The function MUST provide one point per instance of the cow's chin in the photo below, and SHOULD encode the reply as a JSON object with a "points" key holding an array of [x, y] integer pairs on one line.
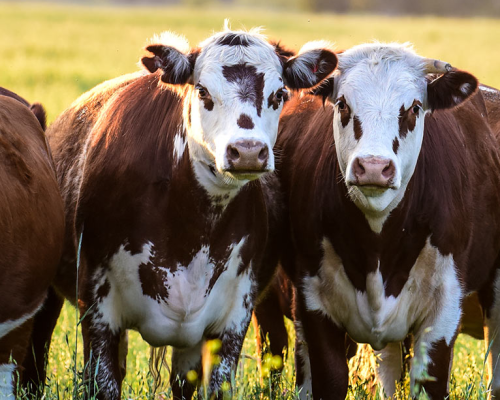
{"points": [[244, 176], [372, 200]]}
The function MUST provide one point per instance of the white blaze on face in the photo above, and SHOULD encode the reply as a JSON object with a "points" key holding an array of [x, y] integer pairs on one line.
{"points": [[234, 98], [379, 94]]}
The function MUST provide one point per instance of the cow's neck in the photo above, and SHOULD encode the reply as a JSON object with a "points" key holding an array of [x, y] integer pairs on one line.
{"points": [[219, 190], [376, 220]]}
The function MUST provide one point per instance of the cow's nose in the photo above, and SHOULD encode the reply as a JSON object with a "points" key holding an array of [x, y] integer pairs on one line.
{"points": [[374, 171], [247, 155]]}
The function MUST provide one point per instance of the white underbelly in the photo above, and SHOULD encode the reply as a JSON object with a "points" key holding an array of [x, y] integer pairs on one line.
{"points": [[188, 309], [372, 317]]}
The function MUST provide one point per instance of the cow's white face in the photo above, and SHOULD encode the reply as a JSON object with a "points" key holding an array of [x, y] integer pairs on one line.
{"points": [[237, 99], [238, 86], [381, 95]]}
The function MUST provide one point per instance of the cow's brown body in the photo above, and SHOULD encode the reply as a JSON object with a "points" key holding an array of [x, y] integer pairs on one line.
{"points": [[32, 221], [453, 199], [159, 175]]}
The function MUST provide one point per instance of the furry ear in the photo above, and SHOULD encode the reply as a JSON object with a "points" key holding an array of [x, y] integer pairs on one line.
{"points": [[314, 63], [450, 89], [177, 66], [324, 89]]}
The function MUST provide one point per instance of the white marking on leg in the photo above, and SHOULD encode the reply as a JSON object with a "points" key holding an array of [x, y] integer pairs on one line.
{"points": [[390, 368], [6, 381], [492, 339]]}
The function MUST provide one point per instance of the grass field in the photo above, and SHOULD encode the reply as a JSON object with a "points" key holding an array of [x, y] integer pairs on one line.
{"points": [[54, 53]]}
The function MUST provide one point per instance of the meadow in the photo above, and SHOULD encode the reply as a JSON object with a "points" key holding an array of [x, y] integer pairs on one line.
{"points": [[54, 53]]}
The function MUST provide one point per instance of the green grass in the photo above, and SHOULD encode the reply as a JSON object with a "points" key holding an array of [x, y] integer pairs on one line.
{"points": [[54, 53]]}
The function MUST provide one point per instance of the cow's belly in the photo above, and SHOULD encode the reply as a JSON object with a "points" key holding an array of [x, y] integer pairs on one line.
{"points": [[172, 308], [430, 297]]}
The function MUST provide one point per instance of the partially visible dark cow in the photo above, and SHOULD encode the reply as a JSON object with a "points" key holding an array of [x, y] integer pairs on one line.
{"points": [[32, 229], [393, 222], [160, 175], [36, 108]]}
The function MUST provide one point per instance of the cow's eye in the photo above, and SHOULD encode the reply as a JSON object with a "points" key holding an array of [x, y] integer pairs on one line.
{"points": [[341, 105], [281, 94], [202, 92], [415, 110]]}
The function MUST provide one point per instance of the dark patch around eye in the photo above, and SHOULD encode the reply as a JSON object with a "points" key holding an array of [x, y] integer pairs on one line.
{"points": [[395, 145], [250, 83], [245, 122], [407, 119], [272, 101], [358, 131], [345, 114], [208, 103]]}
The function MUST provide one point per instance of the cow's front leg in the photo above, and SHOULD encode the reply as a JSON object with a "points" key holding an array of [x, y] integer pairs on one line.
{"points": [[105, 350], [390, 367], [231, 343], [326, 348], [433, 356], [184, 361]]}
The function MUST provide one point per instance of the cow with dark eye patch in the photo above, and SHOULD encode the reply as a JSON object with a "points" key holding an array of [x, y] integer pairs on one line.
{"points": [[161, 176], [32, 221], [394, 214]]}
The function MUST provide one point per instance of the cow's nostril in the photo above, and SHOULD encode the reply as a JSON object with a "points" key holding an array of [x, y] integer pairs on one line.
{"points": [[233, 153], [264, 154], [389, 171]]}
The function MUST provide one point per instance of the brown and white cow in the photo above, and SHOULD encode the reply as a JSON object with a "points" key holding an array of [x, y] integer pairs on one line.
{"points": [[160, 176], [395, 221], [32, 221]]}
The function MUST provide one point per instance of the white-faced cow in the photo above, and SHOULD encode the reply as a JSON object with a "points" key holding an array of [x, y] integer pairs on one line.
{"points": [[155, 170], [32, 221], [393, 191]]}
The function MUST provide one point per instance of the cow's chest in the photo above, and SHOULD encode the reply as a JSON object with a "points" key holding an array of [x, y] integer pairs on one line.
{"points": [[174, 304], [431, 291]]}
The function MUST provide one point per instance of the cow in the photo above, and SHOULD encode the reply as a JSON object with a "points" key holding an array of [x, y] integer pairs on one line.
{"points": [[392, 191], [170, 206], [32, 220]]}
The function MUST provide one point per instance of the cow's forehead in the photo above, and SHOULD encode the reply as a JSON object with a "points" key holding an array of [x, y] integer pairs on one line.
{"points": [[380, 78], [236, 48]]}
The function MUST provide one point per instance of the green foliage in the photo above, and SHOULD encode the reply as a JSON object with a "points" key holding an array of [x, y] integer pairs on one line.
{"points": [[54, 53]]}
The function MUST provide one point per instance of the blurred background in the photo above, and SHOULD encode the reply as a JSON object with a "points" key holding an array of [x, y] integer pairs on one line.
{"points": [[456, 8]]}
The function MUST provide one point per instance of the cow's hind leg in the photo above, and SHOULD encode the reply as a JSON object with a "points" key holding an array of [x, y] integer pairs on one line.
{"points": [[36, 358]]}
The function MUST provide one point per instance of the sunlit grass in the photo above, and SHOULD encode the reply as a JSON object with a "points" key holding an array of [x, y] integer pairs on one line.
{"points": [[468, 379], [54, 53]]}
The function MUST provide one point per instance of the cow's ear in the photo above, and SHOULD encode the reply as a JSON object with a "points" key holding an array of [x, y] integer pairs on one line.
{"points": [[175, 65], [314, 63], [324, 89], [450, 89]]}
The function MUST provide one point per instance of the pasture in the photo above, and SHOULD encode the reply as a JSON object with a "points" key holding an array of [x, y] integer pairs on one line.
{"points": [[54, 53]]}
